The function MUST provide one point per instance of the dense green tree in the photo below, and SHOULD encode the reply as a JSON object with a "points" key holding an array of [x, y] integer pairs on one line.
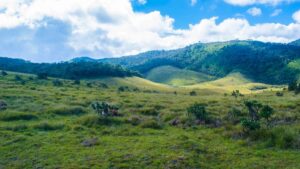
{"points": [[253, 109], [266, 112]]}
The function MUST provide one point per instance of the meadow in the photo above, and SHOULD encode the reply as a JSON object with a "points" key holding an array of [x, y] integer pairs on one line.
{"points": [[48, 123]]}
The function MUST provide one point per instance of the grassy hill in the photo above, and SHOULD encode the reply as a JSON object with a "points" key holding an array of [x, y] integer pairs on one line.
{"points": [[176, 77], [236, 81], [54, 126], [263, 62]]}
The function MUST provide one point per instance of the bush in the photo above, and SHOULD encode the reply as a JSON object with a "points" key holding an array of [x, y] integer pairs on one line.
{"points": [[198, 110], [279, 94], [43, 76], [151, 123], [250, 125], [266, 112], [20, 127], [57, 83], [65, 111], [17, 116], [18, 78], [3, 73], [45, 126], [76, 82], [193, 93], [3, 105], [234, 115]]}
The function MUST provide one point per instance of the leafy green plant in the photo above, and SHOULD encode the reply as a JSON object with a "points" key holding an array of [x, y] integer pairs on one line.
{"points": [[198, 111]]}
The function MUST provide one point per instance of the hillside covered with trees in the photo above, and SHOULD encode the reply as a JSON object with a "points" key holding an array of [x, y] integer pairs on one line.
{"points": [[262, 62], [68, 70]]}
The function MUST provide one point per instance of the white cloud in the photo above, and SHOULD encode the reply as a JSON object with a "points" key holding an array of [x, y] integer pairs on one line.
{"points": [[104, 28], [254, 11], [252, 2], [193, 2], [276, 12], [296, 16], [143, 2]]}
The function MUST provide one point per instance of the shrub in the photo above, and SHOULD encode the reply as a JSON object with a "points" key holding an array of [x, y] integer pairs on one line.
{"points": [[42, 76], [105, 109], [76, 82], [123, 88], [18, 78], [17, 116], [3, 105], [250, 125], [3, 73], [266, 112], [45, 126], [151, 123], [57, 83], [279, 94], [234, 115], [193, 93], [198, 110], [292, 85], [253, 109], [73, 110]]}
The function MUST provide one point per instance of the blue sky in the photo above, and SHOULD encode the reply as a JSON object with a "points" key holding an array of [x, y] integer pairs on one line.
{"points": [[59, 30], [184, 13]]}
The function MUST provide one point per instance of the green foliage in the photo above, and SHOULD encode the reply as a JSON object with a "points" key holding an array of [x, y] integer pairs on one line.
{"points": [[193, 93], [250, 125], [3, 73], [198, 111], [105, 109], [57, 83], [68, 70], [293, 86], [3, 105], [42, 76], [266, 112], [262, 62], [253, 109]]}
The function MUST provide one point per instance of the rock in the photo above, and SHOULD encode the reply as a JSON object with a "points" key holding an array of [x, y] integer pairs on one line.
{"points": [[90, 142]]}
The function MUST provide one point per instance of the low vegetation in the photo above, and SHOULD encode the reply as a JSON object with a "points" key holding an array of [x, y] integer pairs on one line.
{"points": [[146, 125]]}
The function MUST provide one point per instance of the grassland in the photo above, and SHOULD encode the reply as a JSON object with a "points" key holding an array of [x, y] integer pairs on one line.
{"points": [[176, 77], [46, 126]]}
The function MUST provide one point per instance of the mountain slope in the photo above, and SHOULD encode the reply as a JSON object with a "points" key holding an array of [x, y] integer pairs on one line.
{"points": [[176, 77], [75, 70], [261, 62]]}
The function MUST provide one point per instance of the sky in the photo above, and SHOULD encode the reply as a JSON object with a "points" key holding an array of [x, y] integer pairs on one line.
{"points": [[59, 30]]}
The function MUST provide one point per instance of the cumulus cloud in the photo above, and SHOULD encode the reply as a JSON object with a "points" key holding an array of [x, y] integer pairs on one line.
{"points": [[143, 2], [276, 12], [252, 2], [254, 11], [296, 16], [53, 30], [193, 2]]}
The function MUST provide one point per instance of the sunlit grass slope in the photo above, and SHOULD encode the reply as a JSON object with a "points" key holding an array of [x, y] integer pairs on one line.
{"points": [[176, 77], [235, 81]]}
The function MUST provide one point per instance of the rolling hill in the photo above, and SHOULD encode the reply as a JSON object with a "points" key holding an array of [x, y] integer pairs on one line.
{"points": [[176, 77], [261, 62]]}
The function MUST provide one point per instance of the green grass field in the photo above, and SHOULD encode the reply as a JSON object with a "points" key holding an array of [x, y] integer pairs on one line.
{"points": [[176, 77], [47, 126]]}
